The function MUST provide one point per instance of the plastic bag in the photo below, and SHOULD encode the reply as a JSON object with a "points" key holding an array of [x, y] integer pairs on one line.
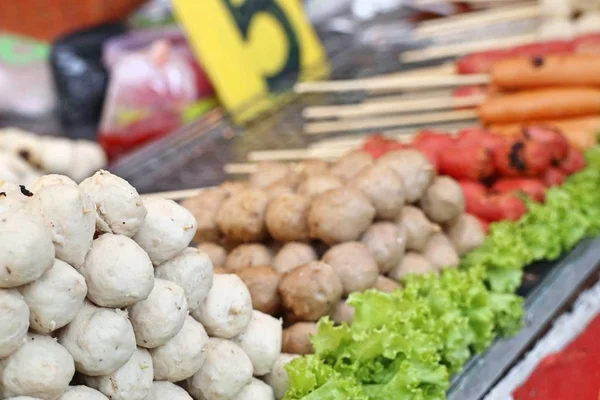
{"points": [[152, 92]]}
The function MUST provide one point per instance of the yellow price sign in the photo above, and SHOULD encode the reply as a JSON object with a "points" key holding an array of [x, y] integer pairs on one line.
{"points": [[253, 50]]}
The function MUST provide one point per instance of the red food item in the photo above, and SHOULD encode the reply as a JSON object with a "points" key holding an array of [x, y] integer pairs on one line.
{"points": [[120, 141], [521, 157], [554, 177], [376, 145], [531, 187], [478, 135], [510, 205], [587, 44], [432, 140], [482, 62], [466, 91], [573, 373], [557, 144], [468, 161], [575, 161], [484, 224]]}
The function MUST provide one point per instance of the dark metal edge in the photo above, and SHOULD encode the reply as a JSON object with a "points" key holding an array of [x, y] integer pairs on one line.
{"points": [[541, 306]]}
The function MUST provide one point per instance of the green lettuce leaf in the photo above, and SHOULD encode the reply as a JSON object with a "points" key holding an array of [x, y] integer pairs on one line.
{"points": [[311, 379]]}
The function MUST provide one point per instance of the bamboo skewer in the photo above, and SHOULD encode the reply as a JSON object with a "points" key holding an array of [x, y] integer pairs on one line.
{"points": [[387, 84], [295, 154], [392, 107], [459, 49], [434, 27], [317, 128], [175, 195]]}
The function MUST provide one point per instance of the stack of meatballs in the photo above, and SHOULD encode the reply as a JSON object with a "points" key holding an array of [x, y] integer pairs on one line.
{"points": [[101, 297], [304, 236]]}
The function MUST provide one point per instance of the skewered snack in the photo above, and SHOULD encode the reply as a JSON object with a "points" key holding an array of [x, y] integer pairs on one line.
{"points": [[292, 255], [263, 284], [354, 265], [296, 338], [286, 217], [242, 216]]}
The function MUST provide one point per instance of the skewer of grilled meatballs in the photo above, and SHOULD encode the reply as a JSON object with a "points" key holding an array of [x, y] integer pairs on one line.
{"points": [[304, 236]]}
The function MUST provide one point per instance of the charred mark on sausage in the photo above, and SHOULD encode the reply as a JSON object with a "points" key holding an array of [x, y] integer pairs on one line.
{"points": [[25, 191], [516, 156], [537, 61]]}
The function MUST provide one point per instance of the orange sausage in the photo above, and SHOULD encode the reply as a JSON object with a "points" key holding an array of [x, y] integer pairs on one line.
{"points": [[581, 132], [542, 104], [536, 72]]}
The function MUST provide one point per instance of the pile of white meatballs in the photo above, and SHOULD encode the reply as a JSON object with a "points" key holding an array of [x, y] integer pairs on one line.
{"points": [[101, 298], [25, 156]]}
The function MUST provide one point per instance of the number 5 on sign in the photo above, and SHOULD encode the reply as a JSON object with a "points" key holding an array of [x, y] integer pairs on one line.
{"points": [[252, 49]]}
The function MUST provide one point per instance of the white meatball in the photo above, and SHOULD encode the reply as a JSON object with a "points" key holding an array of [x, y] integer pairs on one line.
{"points": [[161, 316], [225, 372], [118, 272], [57, 155], [167, 230], [12, 197], [278, 378], [50, 180], [119, 207], [14, 169], [101, 340], [26, 249], [82, 393], [26, 398], [162, 390], [89, 158], [133, 381], [70, 217], [40, 368], [181, 357], [193, 271], [55, 298], [261, 341], [26, 145], [256, 390], [227, 309], [14, 321]]}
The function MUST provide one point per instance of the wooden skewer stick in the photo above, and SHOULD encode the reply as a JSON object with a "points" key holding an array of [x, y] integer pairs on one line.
{"points": [[393, 107], [295, 154], [461, 22], [175, 195], [317, 128], [473, 2], [458, 49], [408, 96], [387, 84]]}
